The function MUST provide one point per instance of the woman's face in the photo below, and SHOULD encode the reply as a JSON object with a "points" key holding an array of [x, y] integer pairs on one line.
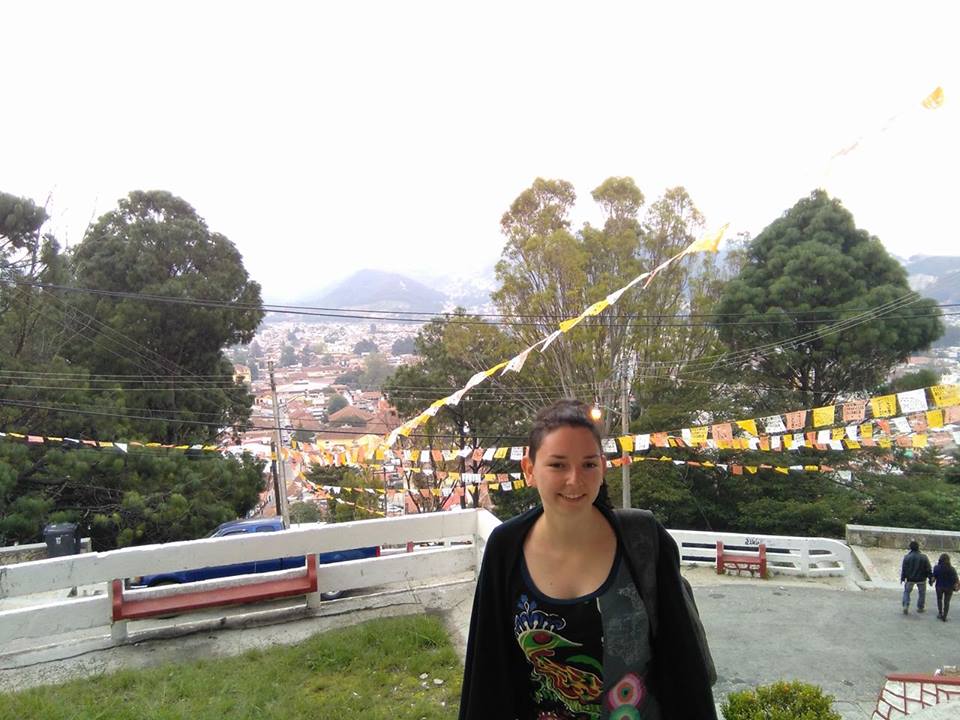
{"points": [[568, 471]]}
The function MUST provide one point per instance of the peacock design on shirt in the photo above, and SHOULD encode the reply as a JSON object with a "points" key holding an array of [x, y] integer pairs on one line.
{"points": [[538, 634]]}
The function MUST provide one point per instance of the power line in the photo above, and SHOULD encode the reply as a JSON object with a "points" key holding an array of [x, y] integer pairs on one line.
{"points": [[242, 427], [515, 320]]}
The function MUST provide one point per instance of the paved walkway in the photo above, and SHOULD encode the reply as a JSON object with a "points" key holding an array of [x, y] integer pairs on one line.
{"points": [[842, 640]]}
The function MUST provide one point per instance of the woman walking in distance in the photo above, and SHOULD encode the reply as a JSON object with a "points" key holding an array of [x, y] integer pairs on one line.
{"points": [[580, 612], [946, 578]]}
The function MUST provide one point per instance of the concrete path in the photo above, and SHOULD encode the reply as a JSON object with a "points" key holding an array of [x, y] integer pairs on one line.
{"points": [[844, 641]]}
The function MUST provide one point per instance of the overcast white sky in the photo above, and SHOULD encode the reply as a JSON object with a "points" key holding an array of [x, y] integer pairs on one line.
{"points": [[326, 137]]}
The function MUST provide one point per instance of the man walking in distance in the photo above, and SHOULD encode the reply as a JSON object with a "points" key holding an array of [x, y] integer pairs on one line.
{"points": [[915, 570]]}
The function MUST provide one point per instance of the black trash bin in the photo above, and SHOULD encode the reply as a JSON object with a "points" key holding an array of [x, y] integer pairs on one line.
{"points": [[62, 539]]}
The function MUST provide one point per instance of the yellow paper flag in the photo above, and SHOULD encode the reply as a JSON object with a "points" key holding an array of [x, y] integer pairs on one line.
{"points": [[944, 395], [934, 99], [708, 243], [824, 415], [597, 308], [567, 325], [749, 425], [884, 406]]}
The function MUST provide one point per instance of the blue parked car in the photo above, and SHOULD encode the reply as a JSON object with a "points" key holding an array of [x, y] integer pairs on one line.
{"points": [[242, 527]]}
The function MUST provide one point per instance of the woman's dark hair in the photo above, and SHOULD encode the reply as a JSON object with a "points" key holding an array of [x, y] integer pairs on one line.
{"points": [[944, 560], [567, 413]]}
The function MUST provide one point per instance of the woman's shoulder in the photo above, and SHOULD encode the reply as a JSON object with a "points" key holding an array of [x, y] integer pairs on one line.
{"points": [[515, 527]]}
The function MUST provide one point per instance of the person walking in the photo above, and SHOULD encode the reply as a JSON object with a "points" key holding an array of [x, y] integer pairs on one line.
{"points": [[946, 580], [915, 570]]}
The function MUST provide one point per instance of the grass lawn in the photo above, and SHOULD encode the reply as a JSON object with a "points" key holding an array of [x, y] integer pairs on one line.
{"points": [[370, 671]]}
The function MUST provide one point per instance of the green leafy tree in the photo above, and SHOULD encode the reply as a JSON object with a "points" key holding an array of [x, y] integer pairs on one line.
{"points": [[911, 381], [66, 372], [453, 349], [403, 346], [304, 512], [350, 503], [302, 435], [335, 403], [804, 275], [122, 499], [376, 370], [548, 272], [288, 356], [351, 378], [155, 244], [365, 346]]}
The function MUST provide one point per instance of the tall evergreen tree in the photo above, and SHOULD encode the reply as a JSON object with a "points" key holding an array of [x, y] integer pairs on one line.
{"points": [[820, 309]]}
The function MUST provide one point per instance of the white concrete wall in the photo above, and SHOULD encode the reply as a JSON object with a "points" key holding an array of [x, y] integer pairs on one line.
{"points": [[59, 614], [62, 614], [807, 557]]}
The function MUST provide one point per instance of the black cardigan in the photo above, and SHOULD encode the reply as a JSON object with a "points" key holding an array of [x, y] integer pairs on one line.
{"points": [[682, 671]]}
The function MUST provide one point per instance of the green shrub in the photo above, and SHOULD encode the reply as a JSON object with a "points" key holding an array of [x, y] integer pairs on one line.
{"points": [[780, 701]]}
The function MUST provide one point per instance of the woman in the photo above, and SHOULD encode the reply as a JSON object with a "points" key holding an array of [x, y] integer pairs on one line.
{"points": [[946, 578], [580, 613]]}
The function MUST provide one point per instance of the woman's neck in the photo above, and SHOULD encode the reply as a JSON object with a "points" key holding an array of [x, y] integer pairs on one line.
{"points": [[568, 533]]}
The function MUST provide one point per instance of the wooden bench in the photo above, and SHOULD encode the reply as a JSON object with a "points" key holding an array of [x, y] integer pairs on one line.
{"points": [[128, 608], [738, 561]]}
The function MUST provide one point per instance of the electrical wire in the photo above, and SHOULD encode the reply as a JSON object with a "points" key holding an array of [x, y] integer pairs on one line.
{"points": [[414, 316]]}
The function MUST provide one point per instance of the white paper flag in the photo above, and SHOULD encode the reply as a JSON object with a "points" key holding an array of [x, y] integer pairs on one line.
{"points": [[901, 424], [823, 437], [912, 401], [853, 431], [835, 445], [773, 424], [642, 442], [549, 340], [516, 453]]}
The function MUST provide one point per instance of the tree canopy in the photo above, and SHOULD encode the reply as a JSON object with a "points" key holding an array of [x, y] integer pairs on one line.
{"points": [[549, 272], [155, 244], [820, 309], [120, 367]]}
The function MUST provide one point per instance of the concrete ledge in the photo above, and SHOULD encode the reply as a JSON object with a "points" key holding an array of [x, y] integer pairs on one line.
{"points": [[12, 554], [870, 572], [899, 538]]}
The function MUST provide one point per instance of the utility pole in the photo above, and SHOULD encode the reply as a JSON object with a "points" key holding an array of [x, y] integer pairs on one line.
{"points": [[625, 430], [273, 474], [282, 506]]}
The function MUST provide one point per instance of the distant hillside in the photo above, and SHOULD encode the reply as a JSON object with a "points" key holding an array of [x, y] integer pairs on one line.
{"points": [[937, 265], [935, 276], [378, 290]]}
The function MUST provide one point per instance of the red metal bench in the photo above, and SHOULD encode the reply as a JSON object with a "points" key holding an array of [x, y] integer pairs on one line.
{"points": [[128, 608], [738, 561]]}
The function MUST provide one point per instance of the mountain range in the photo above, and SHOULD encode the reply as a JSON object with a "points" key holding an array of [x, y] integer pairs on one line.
{"points": [[936, 277]]}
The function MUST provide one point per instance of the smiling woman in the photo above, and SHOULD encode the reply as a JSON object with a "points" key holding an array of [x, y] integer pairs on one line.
{"points": [[580, 612]]}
